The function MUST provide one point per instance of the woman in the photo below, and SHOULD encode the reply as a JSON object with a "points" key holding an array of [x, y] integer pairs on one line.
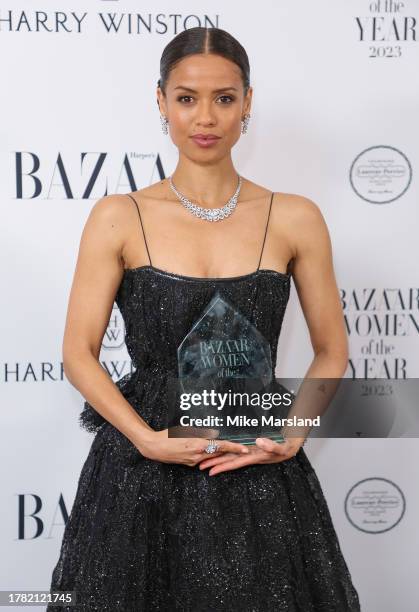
{"points": [[157, 523]]}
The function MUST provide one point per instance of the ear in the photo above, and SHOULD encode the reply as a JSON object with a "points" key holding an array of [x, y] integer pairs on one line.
{"points": [[248, 100], [161, 102]]}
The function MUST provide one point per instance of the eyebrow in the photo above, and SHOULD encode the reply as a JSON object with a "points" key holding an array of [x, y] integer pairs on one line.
{"points": [[214, 90]]}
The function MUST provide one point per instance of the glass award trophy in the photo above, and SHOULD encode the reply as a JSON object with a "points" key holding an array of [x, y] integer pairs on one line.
{"points": [[225, 363]]}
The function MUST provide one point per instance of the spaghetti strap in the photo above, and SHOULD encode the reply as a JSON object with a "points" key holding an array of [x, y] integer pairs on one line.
{"points": [[142, 227], [266, 229]]}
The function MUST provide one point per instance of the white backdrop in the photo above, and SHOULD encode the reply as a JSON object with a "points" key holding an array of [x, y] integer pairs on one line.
{"points": [[334, 118]]}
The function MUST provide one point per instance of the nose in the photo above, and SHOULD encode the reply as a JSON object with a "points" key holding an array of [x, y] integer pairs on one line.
{"points": [[205, 115]]}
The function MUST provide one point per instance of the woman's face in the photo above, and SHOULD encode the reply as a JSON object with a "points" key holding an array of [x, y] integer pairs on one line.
{"points": [[204, 95]]}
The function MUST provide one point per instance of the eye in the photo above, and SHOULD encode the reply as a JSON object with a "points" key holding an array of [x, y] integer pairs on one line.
{"points": [[180, 98], [229, 98]]}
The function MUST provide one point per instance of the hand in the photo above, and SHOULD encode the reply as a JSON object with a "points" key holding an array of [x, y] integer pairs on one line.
{"points": [[187, 451], [265, 451]]}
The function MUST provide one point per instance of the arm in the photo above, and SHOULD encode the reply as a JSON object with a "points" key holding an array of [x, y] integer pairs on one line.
{"points": [[96, 279], [315, 282]]}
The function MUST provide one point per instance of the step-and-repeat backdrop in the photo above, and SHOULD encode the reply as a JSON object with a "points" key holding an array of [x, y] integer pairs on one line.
{"points": [[334, 118]]}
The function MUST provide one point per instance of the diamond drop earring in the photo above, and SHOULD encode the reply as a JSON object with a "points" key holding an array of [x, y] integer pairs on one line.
{"points": [[164, 124], [245, 123]]}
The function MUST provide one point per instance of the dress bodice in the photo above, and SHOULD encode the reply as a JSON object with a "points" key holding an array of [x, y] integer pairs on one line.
{"points": [[159, 308]]}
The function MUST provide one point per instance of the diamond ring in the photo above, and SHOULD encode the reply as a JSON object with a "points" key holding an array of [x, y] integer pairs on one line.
{"points": [[212, 447]]}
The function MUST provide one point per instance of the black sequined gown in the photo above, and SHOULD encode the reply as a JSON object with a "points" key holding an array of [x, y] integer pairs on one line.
{"points": [[146, 536]]}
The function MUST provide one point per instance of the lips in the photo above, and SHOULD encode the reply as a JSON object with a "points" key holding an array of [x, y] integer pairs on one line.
{"points": [[205, 140], [205, 136]]}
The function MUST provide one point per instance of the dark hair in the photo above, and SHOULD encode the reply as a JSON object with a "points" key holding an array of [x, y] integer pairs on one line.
{"points": [[203, 40]]}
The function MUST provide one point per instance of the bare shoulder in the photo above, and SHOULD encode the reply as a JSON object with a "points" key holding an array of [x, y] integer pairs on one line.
{"points": [[293, 204], [109, 223], [113, 219], [296, 208], [299, 216], [110, 208]]}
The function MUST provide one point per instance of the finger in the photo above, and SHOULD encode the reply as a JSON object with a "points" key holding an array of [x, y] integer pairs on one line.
{"points": [[252, 450], [210, 457], [232, 464], [289, 448], [205, 463], [237, 462], [273, 447], [226, 446]]}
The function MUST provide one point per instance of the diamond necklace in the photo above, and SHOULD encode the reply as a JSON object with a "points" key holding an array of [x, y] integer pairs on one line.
{"points": [[210, 214]]}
